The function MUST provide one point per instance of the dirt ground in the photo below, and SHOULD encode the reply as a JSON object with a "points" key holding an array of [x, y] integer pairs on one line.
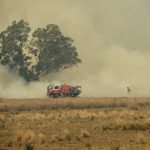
{"points": [[120, 123]]}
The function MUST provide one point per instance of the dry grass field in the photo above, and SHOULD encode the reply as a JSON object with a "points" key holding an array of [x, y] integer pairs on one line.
{"points": [[75, 124]]}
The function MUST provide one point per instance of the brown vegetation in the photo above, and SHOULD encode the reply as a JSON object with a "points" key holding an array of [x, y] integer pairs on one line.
{"points": [[85, 133], [42, 138], [29, 137], [75, 123], [66, 135], [19, 136]]}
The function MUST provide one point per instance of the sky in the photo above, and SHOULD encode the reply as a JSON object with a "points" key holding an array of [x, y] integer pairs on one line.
{"points": [[112, 38]]}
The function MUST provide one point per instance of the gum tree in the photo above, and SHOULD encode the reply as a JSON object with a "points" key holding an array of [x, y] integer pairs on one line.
{"points": [[52, 51], [49, 50], [13, 43]]}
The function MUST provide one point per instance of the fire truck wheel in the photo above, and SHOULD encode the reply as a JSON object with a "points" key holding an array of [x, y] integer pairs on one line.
{"points": [[52, 96], [74, 95], [69, 95]]}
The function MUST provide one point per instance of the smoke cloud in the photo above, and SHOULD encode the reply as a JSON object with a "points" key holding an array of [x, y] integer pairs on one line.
{"points": [[13, 86], [111, 37]]}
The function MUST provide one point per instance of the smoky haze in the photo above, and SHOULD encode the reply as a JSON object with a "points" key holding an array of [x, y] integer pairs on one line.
{"points": [[112, 38]]}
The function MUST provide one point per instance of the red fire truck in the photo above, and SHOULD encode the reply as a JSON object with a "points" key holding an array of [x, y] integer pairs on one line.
{"points": [[63, 90]]}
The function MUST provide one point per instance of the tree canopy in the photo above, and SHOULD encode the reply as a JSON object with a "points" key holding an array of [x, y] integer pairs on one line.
{"points": [[51, 50]]}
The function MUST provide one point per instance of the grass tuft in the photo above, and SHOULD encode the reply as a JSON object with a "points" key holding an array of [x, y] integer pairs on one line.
{"points": [[12, 119], [78, 139], [140, 138], [67, 135], [28, 146], [42, 138], [87, 144], [141, 104], [85, 134], [29, 137], [56, 137], [9, 144], [2, 124], [123, 104], [105, 127], [19, 136], [135, 126], [115, 147]]}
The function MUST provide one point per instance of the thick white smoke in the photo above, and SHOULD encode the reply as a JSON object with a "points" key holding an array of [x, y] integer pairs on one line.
{"points": [[111, 37], [118, 69], [13, 86]]}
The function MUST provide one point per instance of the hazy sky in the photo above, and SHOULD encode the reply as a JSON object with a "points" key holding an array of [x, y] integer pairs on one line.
{"points": [[112, 38]]}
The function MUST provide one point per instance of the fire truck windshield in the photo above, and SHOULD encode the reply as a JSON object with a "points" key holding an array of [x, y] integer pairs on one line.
{"points": [[49, 88]]}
